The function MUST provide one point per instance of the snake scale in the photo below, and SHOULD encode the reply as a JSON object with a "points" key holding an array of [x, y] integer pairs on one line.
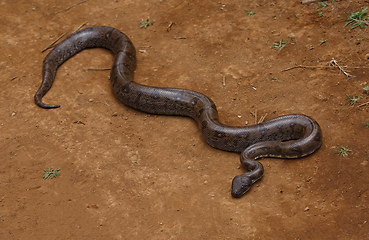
{"points": [[289, 136]]}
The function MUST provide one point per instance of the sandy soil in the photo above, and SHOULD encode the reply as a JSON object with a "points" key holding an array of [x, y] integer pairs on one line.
{"points": [[125, 174]]}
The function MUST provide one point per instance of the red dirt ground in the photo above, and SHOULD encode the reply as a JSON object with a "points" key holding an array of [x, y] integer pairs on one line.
{"points": [[129, 175]]}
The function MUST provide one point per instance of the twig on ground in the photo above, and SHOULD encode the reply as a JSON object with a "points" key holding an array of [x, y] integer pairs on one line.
{"points": [[263, 118], [170, 26], [334, 63], [52, 44], [255, 114], [176, 38], [80, 26], [302, 66], [98, 69], [75, 5], [79, 122], [310, 1], [363, 104], [93, 101]]}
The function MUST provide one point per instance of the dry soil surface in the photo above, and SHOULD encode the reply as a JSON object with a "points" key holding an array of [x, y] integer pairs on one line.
{"points": [[125, 174]]}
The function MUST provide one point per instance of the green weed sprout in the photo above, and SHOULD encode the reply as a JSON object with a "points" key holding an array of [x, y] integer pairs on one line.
{"points": [[280, 45], [357, 19], [51, 173], [353, 100], [343, 151], [250, 12], [146, 23]]}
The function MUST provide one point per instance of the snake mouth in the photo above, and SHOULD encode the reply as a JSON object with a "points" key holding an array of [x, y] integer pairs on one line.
{"points": [[239, 193], [241, 185]]}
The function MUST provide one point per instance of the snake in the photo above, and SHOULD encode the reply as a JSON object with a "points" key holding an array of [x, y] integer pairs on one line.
{"points": [[287, 136]]}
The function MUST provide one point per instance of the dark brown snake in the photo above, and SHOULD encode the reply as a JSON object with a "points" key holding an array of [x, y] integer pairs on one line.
{"points": [[289, 136]]}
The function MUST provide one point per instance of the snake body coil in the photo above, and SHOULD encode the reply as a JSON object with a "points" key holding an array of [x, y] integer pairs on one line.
{"points": [[289, 136]]}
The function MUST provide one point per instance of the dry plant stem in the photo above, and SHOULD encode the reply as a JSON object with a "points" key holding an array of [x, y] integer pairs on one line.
{"points": [[363, 104], [334, 63], [299, 66], [170, 26], [51, 44], [255, 114], [310, 1], [75, 5], [102, 103], [98, 69], [80, 26], [263, 118]]}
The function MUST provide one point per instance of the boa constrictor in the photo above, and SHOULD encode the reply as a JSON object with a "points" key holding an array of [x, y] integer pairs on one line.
{"points": [[289, 136]]}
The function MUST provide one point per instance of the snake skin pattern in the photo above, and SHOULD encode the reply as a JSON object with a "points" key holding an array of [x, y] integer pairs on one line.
{"points": [[289, 136]]}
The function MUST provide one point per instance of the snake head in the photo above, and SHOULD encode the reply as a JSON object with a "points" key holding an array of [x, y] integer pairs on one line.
{"points": [[240, 185]]}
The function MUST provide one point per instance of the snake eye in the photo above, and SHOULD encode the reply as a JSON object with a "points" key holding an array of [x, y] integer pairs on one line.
{"points": [[240, 185]]}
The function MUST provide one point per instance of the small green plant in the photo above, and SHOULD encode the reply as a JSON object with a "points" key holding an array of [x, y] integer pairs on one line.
{"points": [[296, 15], [320, 14], [343, 151], [274, 78], [366, 88], [280, 45], [250, 12], [51, 173], [357, 19], [353, 100], [366, 124], [322, 5], [323, 41], [146, 23]]}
